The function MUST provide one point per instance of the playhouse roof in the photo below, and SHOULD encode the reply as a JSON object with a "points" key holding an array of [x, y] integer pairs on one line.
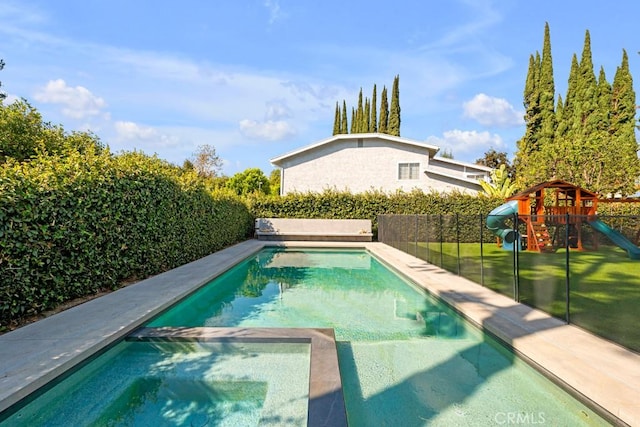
{"points": [[559, 184]]}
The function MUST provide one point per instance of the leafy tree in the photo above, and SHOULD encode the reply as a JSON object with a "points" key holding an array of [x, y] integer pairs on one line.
{"points": [[384, 112], [500, 185], [250, 181], [187, 165], [359, 114], [206, 161], [24, 135], [394, 110], [274, 182], [494, 159]]}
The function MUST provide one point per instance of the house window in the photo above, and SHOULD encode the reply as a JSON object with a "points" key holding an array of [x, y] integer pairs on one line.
{"points": [[408, 170], [478, 176]]}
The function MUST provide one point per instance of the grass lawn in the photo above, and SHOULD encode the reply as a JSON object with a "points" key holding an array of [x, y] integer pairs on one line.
{"points": [[604, 284]]}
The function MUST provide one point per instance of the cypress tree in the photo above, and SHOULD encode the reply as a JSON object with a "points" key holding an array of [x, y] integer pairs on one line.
{"points": [[337, 121], [367, 115], [547, 93], [394, 110], [556, 153], [359, 114], [527, 172], [583, 148], [563, 141], [622, 129], [373, 124], [345, 125], [384, 112], [353, 120], [600, 161]]}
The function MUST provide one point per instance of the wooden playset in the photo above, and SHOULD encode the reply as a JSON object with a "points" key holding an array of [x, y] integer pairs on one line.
{"points": [[554, 203]]}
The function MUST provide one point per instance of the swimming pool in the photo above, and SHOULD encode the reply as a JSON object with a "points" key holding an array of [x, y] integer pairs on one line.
{"points": [[405, 359]]}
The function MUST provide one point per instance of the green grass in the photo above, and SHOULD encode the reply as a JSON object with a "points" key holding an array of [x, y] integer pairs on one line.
{"points": [[604, 285]]}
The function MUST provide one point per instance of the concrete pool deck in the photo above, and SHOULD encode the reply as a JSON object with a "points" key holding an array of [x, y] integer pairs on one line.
{"points": [[592, 368]]}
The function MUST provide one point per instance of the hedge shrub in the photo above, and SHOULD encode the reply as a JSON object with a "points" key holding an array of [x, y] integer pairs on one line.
{"points": [[335, 204], [74, 225]]}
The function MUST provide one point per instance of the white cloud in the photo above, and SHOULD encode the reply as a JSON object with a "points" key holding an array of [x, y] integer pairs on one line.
{"points": [[78, 102], [462, 142], [277, 110], [271, 130], [273, 6], [130, 131], [490, 111]]}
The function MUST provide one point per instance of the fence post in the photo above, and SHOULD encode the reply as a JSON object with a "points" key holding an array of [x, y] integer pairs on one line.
{"points": [[415, 237], [458, 240], [516, 269], [427, 226], [441, 238], [567, 274], [481, 252]]}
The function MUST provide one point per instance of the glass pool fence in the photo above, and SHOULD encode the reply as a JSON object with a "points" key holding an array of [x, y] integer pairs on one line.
{"points": [[584, 270]]}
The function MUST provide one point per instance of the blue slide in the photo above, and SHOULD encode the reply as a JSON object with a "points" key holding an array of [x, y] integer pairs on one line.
{"points": [[617, 238], [496, 223]]}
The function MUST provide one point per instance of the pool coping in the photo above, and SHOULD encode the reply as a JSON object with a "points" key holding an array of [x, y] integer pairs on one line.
{"points": [[326, 401], [597, 371]]}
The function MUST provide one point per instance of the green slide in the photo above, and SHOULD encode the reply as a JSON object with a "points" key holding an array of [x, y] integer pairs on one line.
{"points": [[617, 238]]}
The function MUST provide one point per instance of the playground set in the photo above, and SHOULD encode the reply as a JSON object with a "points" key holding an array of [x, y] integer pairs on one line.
{"points": [[572, 207]]}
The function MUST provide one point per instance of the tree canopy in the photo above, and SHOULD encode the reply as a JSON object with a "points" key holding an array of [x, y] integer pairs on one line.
{"points": [[206, 161], [494, 159], [24, 135], [249, 181], [589, 137]]}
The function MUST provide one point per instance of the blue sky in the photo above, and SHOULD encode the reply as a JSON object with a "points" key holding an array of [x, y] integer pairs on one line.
{"points": [[259, 78]]}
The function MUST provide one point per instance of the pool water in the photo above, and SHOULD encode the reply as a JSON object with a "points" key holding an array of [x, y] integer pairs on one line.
{"points": [[180, 384], [405, 358]]}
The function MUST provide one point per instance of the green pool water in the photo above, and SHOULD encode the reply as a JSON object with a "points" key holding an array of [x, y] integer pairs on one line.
{"points": [[405, 358], [179, 384]]}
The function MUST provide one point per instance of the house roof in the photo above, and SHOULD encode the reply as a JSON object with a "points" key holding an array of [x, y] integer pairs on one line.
{"points": [[355, 136], [454, 178], [467, 164], [563, 186]]}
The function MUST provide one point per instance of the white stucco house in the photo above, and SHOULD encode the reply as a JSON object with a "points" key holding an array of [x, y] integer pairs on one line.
{"points": [[375, 161]]}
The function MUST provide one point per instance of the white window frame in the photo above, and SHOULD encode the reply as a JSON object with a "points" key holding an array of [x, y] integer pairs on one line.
{"points": [[408, 171]]}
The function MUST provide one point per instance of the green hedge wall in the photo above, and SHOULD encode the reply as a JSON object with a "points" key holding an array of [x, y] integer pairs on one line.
{"points": [[334, 204], [72, 226]]}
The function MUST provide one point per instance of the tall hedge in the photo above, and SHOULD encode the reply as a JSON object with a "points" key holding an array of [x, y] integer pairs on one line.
{"points": [[71, 226], [335, 204]]}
